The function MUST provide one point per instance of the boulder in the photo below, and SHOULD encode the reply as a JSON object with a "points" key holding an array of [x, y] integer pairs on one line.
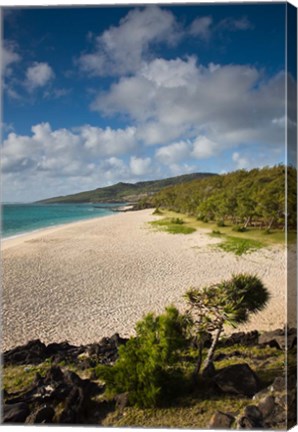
{"points": [[237, 379], [266, 406], [122, 401], [279, 339], [221, 420], [240, 338], [279, 384], [74, 410], [44, 414], [15, 412], [251, 418], [34, 352]]}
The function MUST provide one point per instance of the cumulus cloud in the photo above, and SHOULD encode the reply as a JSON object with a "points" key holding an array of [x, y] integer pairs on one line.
{"points": [[121, 49], [88, 154], [173, 153], [9, 56], [201, 27], [240, 161], [170, 100], [140, 166], [232, 24], [108, 142], [38, 75]]}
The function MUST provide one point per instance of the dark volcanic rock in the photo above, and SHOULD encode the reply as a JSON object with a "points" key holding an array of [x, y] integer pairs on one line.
{"points": [[221, 420], [240, 338], [15, 412], [279, 338], [48, 392], [266, 405], [44, 414], [238, 378], [35, 352], [31, 353]]}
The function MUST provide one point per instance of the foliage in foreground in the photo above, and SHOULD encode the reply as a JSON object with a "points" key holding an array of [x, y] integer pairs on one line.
{"points": [[228, 302], [146, 367]]}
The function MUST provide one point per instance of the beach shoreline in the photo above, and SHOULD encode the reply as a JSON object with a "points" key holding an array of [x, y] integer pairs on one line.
{"points": [[17, 239], [89, 279]]}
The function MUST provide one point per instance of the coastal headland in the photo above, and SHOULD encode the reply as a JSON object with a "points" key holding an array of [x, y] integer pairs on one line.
{"points": [[82, 281]]}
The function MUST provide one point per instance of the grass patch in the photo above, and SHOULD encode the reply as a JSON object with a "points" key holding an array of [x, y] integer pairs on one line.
{"points": [[252, 233], [215, 233], [18, 378], [173, 226], [188, 413], [240, 246]]}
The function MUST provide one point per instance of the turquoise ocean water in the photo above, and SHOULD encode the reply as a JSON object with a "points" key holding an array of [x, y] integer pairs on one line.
{"points": [[21, 218]]}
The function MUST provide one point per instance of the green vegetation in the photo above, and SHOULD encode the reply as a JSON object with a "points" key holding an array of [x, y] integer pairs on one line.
{"points": [[173, 226], [226, 303], [253, 198], [123, 192], [240, 246], [155, 367], [147, 365]]}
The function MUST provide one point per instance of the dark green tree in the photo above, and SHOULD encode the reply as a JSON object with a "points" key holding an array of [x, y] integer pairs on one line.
{"points": [[227, 303], [147, 364]]}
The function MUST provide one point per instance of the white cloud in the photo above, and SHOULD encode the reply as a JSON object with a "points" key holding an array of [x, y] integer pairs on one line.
{"points": [[201, 27], [170, 73], [232, 24], [38, 75], [140, 166], [173, 153], [107, 142], [173, 100], [240, 161], [64, 161], [121, 49], [204, 148], [9, 56]]}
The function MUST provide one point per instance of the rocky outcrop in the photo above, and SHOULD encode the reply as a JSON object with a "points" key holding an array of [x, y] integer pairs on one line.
{"points": [[58, 388], [35, 352], [279, 338], [272, 408], [237, 379], [240, 338]]}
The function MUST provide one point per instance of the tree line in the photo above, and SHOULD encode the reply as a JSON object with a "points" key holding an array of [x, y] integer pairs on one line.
{"points": [[250, 198]]}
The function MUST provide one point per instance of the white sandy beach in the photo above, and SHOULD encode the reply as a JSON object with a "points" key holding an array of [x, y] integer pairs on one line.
{"points": [[90, 279]]}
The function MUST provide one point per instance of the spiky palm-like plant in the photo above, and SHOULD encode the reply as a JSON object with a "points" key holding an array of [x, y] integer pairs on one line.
{"points": [[227, 303]]}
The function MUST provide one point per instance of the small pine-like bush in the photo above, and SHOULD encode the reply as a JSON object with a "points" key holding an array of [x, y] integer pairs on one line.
{"points": [[239, 228], [220, 223], [147, 365], [177, 221]]}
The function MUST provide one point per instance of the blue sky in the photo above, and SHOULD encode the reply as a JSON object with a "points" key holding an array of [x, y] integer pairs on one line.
{"points": [[97, 95]]}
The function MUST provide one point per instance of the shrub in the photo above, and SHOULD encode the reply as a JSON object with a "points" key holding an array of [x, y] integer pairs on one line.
{"points": [[216, 233], [220, 223], [157, 212], [240, 246], [177, 221], [203, 219], [239, 228], [147, 365]]}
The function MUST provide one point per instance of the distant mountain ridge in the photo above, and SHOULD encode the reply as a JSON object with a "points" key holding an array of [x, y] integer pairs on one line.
{"points": [[125, 192]]}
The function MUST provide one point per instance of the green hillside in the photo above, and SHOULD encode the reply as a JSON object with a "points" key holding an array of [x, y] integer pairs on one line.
{"points": [[125, 192]]}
